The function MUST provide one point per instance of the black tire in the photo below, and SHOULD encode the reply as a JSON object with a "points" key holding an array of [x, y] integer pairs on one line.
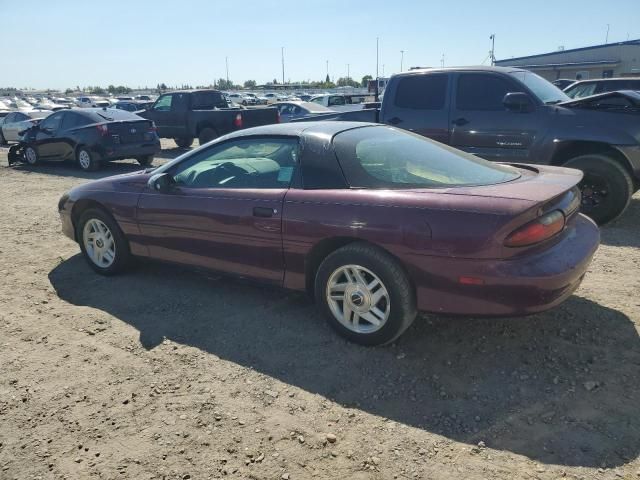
{"points": [[206, 135], [30, 155], [184, 142], [606, 188], [90, 163], [145, 160], [402, 301], [122, 252]]}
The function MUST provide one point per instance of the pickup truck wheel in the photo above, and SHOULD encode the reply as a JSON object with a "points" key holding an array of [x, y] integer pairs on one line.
{"points": [[103, 244], [206, 135], [145, 160], [184, 142], [365, 294], [87, 160], [606, 187]]}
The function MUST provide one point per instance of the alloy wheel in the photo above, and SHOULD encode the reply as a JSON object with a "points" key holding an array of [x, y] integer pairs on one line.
{"points": [[84, 159], [99, 243], [30, 155]]}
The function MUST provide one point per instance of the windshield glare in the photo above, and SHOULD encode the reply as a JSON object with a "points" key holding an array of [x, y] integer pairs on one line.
{"points": [[541, 88], [385, 157]]}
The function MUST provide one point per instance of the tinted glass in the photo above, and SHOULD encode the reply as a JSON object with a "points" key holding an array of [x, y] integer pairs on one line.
{"points": [[385, 157], [206, 100], [336, 101], [73, 120], [20, 117], [251, 163], [52, 122], [478, 91], [9, 118], [581, 90], [422, 92], [541, 88]]}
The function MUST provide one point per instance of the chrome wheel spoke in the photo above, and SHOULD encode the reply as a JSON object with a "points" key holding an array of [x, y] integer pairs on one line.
{"points": [[99, 243]]}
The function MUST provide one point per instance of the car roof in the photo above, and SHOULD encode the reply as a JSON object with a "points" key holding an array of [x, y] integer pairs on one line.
{"points": [[297, 129], [474, 68], [598, 80]]}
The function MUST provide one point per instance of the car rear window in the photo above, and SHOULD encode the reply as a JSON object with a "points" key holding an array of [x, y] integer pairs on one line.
{"points": [[385, 157]]}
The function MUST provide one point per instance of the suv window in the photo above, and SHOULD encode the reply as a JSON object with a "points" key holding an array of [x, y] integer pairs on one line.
{"points": [[250, 163], [479, 91], [164, 103], [422, 92]]}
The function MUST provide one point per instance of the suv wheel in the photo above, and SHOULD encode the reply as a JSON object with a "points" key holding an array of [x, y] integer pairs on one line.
{"points": [[365, 294], [145, 160], [87, 160], [206, 135], [183, 142], [606, 187]]}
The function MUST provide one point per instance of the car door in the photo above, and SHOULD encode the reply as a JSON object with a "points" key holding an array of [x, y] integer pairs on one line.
{"points": [[420, 104], [482, 125], [48, 144], [9, 130], [225, 210]]}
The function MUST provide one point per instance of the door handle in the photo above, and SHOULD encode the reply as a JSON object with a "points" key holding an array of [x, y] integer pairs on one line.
{"points": [[264, 212], [460, 121], [395, 120]]}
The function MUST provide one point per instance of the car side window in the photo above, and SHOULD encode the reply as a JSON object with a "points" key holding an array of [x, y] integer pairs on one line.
{"points": [[478, 91], [9, 118], [336, 101], [422, 92], [52, 122], [73, 120], [164, 103], [248, 163]]}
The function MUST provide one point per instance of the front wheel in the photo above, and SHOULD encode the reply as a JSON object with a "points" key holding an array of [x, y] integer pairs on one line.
{"points": [[183, 142], [365, 294], [606, 186], [87, 160], [145, 160], [102, 242], [31, 156]]}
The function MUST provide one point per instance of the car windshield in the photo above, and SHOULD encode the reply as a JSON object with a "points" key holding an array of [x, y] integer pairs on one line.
{"points": [[541, 88], [385, 157]]}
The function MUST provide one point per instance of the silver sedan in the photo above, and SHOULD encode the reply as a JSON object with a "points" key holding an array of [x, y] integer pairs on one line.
{"points": [[15, 123]]}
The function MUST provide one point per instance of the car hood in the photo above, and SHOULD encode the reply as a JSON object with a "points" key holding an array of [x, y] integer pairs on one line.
{"points": [[621, 100], [133, 182]]}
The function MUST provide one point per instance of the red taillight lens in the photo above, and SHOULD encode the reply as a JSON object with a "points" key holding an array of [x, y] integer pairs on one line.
{"points": [[103, 129], [238, 121], [153, 127], [537, 231]]}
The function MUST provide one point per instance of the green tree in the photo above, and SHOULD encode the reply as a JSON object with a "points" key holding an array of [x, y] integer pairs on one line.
{"points": [[347, 82], [225, 84], [365, 81], [250, 84]]}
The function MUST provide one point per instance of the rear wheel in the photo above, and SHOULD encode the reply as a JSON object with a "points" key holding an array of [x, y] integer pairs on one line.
{"points": [[102, 242], [87, 160], [606, 187], [206, 135], [365, 294], [31, 156], [184, 142], [145, 160]]}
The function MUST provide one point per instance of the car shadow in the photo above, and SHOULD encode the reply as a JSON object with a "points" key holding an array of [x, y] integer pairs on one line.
{"points": [[623, 232], [560, 387]]}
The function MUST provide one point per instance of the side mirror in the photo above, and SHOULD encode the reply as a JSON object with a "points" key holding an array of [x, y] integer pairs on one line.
{"points": [[518, 102], [161, 182]]}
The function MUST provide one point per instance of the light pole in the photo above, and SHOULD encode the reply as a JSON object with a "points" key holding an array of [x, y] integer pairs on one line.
{"points": [[348, 76], [401, 59], [226, 61], [606, 40], [282, 52], [493, 42], [327, 68]]}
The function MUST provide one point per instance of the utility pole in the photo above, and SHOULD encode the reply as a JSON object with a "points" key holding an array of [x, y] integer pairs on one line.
{"points": [[348, 76], [606, 40], [226, 61], [401, 59], [327, 68], [493, 44], [377, 63], [282, 65], [442, 61], [383, 70]]}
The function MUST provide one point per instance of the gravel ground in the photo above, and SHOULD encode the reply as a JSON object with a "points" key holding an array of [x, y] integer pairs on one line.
{"points": [[164, 373]]}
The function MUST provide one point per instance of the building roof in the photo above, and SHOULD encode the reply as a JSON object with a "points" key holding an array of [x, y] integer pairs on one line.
{"points": [[593, 47]]}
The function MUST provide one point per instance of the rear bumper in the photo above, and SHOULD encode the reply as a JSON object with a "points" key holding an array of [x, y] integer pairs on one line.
{"points": [[518, 286], [128, 150]]}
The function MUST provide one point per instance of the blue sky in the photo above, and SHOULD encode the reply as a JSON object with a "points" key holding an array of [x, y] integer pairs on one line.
{"points": [[64, 43]]}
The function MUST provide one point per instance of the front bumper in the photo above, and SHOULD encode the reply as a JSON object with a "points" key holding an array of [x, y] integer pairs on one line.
{"points": [[517, 286]]}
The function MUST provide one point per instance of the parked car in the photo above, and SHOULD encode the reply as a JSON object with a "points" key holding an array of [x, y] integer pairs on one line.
{"points": [[274, 97], [292, 110], [49, 105], [338, 102], [15, 124], [563, 83], [91, 136], [513, 115], [242, 99], [258, 100], [585, 88], [92, 102], [133, 105], [146, 98], [376, 223], [204, 114]]}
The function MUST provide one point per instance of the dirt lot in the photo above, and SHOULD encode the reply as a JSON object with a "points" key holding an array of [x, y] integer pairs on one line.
{"points": [[165, 373]]}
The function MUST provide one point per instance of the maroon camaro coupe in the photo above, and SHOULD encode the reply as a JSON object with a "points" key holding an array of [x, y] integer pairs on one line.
{"points": [[375, 222]]}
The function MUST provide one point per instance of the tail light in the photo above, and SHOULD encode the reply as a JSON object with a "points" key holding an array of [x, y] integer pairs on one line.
{"points": [[238, 121], [153, 128], [103, 130], [539, 230]]}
